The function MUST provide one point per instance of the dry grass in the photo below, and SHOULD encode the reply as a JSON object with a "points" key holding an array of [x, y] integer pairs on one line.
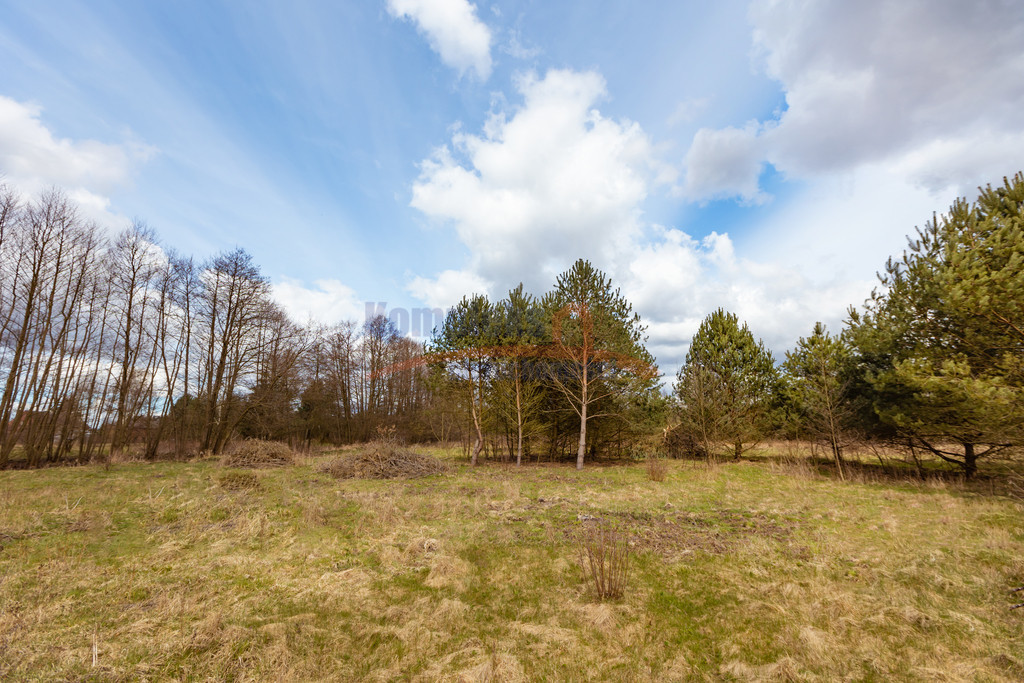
{"points": [[737, 571], [657, 468], [259, 454], [238, 481], [384, 459]]}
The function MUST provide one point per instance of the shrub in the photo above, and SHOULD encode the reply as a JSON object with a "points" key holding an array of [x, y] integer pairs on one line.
{"points": [[657, 467], [257, 453], [680, 443], [604, 559]]}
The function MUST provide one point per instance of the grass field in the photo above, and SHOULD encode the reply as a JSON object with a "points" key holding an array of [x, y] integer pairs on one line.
{"points": [[740, 571]]}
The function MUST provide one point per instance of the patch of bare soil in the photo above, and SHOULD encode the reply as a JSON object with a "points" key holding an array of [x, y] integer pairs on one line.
{"points": [[673, 535]]}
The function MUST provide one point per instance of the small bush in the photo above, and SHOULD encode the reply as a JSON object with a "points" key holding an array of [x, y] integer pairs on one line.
{"points": [[384, 459], [604, 559], [657, 467], [238, 481], [256, 453]]}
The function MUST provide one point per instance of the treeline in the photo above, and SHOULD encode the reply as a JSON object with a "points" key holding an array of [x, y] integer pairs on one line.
{"points": [[111, 344], [932, 365], [563, 375]]}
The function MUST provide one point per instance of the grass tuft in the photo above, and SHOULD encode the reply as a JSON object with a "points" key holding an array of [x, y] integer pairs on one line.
{"points": [[238, 480], [657, 468]]}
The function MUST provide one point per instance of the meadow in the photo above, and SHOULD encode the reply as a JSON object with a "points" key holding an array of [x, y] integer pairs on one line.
{"points": [[761, 569]]}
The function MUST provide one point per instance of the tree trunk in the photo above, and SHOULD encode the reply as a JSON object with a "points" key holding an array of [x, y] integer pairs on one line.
{"points": [[479, 437], [970, 461], [838, 455], [583, 437], [583, 419], [519, 421]]}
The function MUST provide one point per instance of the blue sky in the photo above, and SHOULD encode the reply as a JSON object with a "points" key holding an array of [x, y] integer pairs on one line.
{"points": [[765, 156]]}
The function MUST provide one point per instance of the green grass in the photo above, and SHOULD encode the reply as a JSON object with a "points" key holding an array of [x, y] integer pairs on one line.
{"points": [[739, 571]]}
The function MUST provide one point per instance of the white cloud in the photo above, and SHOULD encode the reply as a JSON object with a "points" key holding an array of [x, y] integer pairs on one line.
{"points": [[844, 225], [455, 33], [448, 288], [544, 184], [515, 48], [329, 301], [934, 89], [687, 111], [554, 180], [725, 163], [675, 281], [33, 159]]}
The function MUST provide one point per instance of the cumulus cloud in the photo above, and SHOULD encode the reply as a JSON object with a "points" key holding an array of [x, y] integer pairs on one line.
{"points": [[674, 281], [542, 184], [554, 180], [725, 163], [329, 301], [935, 89], [448, 287], [32, 158], [455, 33]]}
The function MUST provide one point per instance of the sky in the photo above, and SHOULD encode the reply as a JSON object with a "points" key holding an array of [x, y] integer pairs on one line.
{"points": [[766, 157]]}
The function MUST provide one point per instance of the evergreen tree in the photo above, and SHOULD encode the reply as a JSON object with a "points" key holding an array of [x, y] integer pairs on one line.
{"points": [[598, 349], [941, 346], [518, 326], [726, 385], [816, 377], [463, 343]]}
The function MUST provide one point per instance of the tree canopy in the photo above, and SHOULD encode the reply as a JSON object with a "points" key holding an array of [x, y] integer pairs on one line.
{"points": [[940, 344], [599, 350], [817, 384], [727, 384]]}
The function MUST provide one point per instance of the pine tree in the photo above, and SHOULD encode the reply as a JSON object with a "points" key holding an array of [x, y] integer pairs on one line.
{"points": [[518, 326], [941, 345], [727, 383], [463, 343], [816, 376], [598, 346]]}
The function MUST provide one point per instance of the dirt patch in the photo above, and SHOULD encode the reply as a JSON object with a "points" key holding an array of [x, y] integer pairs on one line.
{"points": [[673, 535]]}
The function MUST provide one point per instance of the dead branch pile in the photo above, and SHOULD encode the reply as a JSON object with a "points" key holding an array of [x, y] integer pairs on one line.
{"points": [[384, 460], [257, 454]]}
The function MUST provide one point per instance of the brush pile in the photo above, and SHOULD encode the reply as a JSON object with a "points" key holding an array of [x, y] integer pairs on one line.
{"points": [[384, 459], [258, 454]]}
